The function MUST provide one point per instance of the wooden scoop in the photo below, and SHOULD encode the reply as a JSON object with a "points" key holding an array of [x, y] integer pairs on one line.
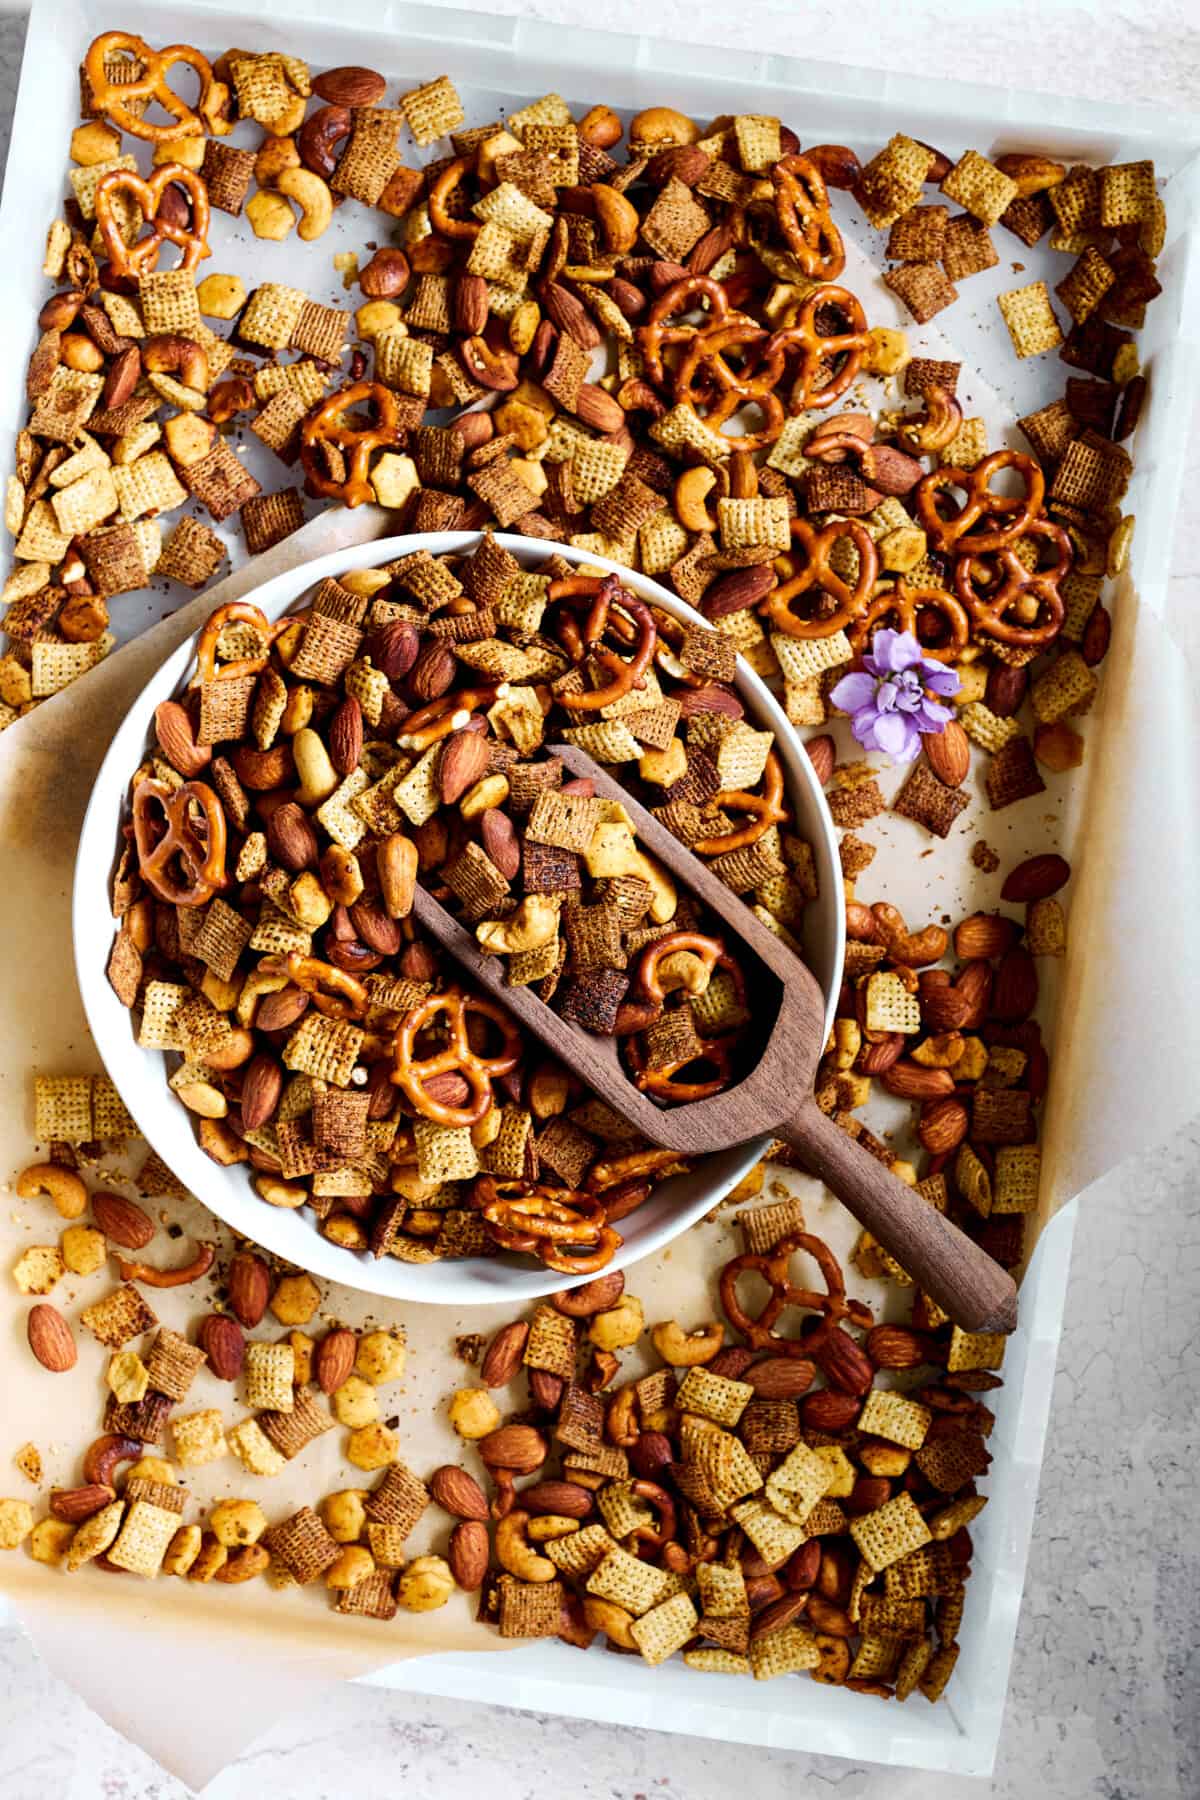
{"points": [[776, 1098]]}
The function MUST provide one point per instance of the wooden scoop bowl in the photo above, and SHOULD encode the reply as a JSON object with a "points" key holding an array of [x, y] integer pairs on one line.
{"points": [[775, 1098]]}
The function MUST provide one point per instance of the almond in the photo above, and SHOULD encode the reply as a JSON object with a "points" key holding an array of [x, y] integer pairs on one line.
{"points": [[499, 836], [800, 1571], [221, 1340], [432, 674], [827, 1410], [737, 590], [334, 1359], [502, 1358], [732, 1362], [844, 1363], [1036, 878], [50, 1338], [943, 1125], [1015, 992], [652, 1452], [679, 162], [974, 986], [468, 1554], [276, 1012], [249, 1284], [122, 1220], [781, 1377], [291, 838], [77, 1504], [459, 1493], [394, 648], [177, 739], [518, 1448], [896, 1347], [464, 761], [948, 753], [822, 754], [868, 1494], [599, 410], [779, 1613], [262, 1086], [1005, 689], [350, 86], [983, 935], [124, 373], [469, 305], [396, 863], [876, 1059], [1097, 635], [911, 1082], [570, 315], [346, 736], [943, 1008], [713, 697], [545, 1389]]}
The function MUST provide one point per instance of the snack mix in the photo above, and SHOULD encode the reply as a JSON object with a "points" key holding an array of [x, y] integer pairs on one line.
{"points": [[629, 338]]}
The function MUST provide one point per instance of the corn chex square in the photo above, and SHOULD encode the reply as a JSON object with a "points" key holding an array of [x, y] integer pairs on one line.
{"points": [[665, 1629], [785, 1652], [802, 1479], [714, 1396], [890, 1532], [583, 1551], [774, 1537], [62, 1109], [894, 1416], [200, 1436], [269, 1371], [145, 1533], [723, 1590], [444, 1152], [635, 1585], [622, 1513], [119, 1317]]}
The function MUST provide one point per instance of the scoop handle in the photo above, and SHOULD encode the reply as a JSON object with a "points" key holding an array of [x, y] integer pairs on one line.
{"points": [[962, 1278]]}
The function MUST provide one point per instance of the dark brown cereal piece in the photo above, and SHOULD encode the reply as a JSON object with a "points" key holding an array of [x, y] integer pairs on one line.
{"points": [[1050, 430], [929, 801], [567, 373], [400, 1499], [171, 1363], [855, 805], [474, 878], [220, 481], [1012, 774], [291, 1432], [1028, 217], [594, 937], [593, 1000], [438, 454], [708, 653], [125, 969], [225, 709], [675, 223], [918, 235], [302, 1546], [950, 1462], [144, 1420], [226, 174], [114, 561], [566, 821], [501, 489], [552, 1343], [192, 554], [339, 1124], [580, 1423], [923, 287], [530, 1609], [278, 424], [121, 1315], [566, 1151], [327, 649], [1000, 1115], [370, 1598], [320, 331], [968, 248], [699, 783], [924, 372], [269, 518]]}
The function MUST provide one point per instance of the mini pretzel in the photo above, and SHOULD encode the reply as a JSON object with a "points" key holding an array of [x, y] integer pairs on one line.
{"points": [[324, 426], [449, 179], [198, 843], [817, 350], [946, 533], [802, 208], [656, 334], [112, 100], [818, 578], [334, 992], [142, 257], [759, 1329], [718, 1051], [767, 809], [650, 1538], [565, 1229], [410, 1073], [706, 379], [910, 609], [429, 724], [615, 1171], [606, 592], [235, 612], [1032, 595]]}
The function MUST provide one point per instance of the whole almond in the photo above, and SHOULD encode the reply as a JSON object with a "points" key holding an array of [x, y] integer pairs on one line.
{"points": [[738, 589], [177, 739], [1097, 635], [334, 1359], [50, 1338], [469, 305], [868, 1494], [468, 1554], [502, 1358], [844, 1363], [278, 1011], [974, 986], [464, 760], [350, 86], [499, 836], [565, 1497], [652, 1453], [943, 1008], [827, 1410], [781, 1377], [679, 162], [457, 1492], [822, 753], [221, 1340], [876, 1059], [123, 1221], [983, 935], [565, 310], [545, 1389], [394, 648], [1015, 992], [518, 1448], [599, 410], [943, 1126], [249, 1284], [346, 736], [948, 753], [713, 697], [396, 863], [433, 672], [1005, 689], [896, 1347], [262, 1086], [1036, 878], [779, 1613], [291, 838], [910, 1081], [77, 1504]]}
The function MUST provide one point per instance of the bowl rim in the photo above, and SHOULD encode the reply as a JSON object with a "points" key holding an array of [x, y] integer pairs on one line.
{"points": [[165, 1124]]}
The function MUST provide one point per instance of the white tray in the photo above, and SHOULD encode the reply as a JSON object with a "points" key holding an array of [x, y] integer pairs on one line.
{"points": [[498, 63]]}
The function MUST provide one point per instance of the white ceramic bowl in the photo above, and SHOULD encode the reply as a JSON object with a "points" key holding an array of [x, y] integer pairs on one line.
{"points": [[140, 1075]]}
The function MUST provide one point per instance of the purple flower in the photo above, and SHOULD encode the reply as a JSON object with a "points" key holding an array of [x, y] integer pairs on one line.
{"points": [[888, 699]]}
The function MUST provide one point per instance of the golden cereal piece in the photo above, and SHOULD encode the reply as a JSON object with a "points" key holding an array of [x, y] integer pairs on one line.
{"points": [[356, 1403], [352, 1566], [236, 1522], [372, 1447], [620, 1326], [84, 1249], [381, 1356], [425, 1584], [221, 296], [343, 1514], [49, 1540], [16, 1523], [473, 1413], [269, 215], [295, 1300]]}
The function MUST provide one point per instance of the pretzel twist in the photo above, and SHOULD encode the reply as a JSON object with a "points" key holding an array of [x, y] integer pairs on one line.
{"points": [[324, 426], [717, 1051], [705, 379], [410, 1072], [615, 1171], [199, 844], [802, 209], [450, 178], [657, 334], [915, 610], [436, 720], [235, 612], [566, 1230], [608, 601], [817, 577], [758, 1329], [948, 534], [141, 258], [766, 809], [1032, 595], [334, 992], [111, 99], [650, 1538], [817, 350]]}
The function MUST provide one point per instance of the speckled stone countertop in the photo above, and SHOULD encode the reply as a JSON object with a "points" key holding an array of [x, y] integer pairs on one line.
{"points": [[1105, 1696]]}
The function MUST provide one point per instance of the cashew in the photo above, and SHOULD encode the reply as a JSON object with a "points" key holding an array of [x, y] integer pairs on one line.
{"points": [[365, 582], [318, 777], [663, 125], [169, 353], [286, 1194], [63, 1186], [612, 1620], [313, 198], [691, 491], [345, 1230], [210, 1558], [517, 1554], [687, 1349], [310, 904], [221, 296], [425, 1585], [617, 217], [549, 1526], [534, 923], [683, 969], [270, 215], [297, 711]]}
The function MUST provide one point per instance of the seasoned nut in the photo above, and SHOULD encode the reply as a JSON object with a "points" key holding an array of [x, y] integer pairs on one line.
{"points": [[385, 276]]}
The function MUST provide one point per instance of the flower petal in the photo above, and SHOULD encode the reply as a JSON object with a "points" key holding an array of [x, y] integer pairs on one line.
{"points": [[943, 680], [892, 733], [853, 692]]}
